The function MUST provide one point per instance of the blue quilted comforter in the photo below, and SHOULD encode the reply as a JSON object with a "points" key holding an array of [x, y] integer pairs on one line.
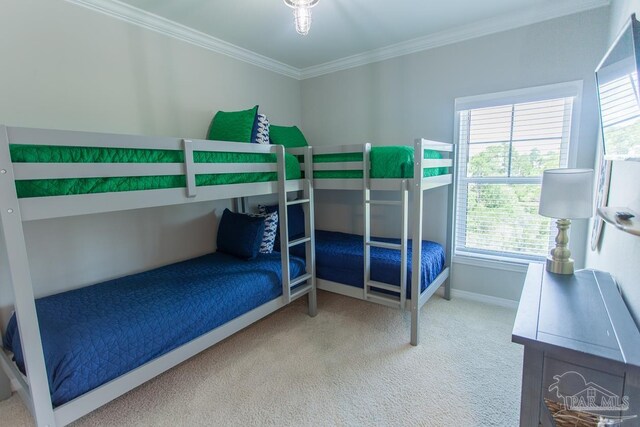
{"points": [[339, 258], [97, 333]]}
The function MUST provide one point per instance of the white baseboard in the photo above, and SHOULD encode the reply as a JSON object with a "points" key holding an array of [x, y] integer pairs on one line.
{"points": [[485, 299]]}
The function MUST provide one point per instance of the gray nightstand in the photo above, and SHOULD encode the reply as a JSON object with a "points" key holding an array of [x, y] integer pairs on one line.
{"points": [[581, 347]]}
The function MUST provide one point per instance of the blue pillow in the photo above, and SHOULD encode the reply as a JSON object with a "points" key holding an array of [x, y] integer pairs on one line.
{"points": [[295, 215], [239, 234]]}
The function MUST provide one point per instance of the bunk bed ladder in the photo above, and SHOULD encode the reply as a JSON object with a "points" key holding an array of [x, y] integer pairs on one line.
{"points": [[384, 293], [304, 284]]}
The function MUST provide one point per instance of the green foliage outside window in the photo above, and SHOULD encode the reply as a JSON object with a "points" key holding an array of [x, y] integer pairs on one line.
{"points": [[504, 217]]}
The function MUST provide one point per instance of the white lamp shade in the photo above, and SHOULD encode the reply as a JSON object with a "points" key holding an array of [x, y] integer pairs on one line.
{"points": [[567, 193]]}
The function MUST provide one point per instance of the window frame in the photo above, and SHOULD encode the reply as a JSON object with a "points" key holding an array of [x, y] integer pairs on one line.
{"points": [[495, 259]]}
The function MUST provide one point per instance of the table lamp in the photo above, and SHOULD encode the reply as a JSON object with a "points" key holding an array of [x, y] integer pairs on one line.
{"points": [[566, 194]]}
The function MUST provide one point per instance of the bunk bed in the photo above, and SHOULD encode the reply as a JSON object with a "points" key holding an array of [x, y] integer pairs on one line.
{"points": [[77, 350], [369, 268]]}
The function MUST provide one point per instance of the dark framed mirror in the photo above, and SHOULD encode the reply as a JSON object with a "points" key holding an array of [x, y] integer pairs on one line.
{"points": [[618, 95]]}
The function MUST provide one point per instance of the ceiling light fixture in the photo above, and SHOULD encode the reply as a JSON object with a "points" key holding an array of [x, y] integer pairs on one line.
{"points": [[302, 14]]}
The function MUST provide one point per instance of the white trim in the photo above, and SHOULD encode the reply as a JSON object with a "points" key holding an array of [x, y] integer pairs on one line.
{"points": [[524, 95], [150, 21], [528, 94], [455, 35], [133, 15], [481, 298], [493, 262]]}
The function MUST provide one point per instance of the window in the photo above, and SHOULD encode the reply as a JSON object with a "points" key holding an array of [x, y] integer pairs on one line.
{"points": [[505, 143], [620, 115]]}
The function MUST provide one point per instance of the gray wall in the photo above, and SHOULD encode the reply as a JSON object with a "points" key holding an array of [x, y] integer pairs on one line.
{"points": [[619, 253], [66, 67], [395, 101], [71, 68]]}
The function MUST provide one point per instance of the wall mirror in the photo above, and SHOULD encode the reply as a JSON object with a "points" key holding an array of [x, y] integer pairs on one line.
{"points": [[618, 94]]}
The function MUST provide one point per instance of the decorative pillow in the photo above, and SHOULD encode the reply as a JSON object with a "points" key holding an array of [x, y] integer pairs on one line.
{"points": [[262, 133], [295, 215], [270, 231], [236, 126], [239, 234], [290, 137]]}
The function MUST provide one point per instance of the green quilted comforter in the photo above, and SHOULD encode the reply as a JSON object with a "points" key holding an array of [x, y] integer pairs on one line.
{"points": [[386, 162], [60, 187]]}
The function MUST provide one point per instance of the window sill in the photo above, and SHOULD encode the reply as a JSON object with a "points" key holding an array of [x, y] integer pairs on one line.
{"points": [[518, 265]]}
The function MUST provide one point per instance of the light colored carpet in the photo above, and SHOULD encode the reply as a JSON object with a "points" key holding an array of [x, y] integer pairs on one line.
{"points": [[350, 365]]}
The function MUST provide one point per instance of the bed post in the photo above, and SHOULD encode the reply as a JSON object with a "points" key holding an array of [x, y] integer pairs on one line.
{"points": [[310, 248], [283, 220], [416, 248], [5, 386], [366, 197], [451, 222], [24, 302]]}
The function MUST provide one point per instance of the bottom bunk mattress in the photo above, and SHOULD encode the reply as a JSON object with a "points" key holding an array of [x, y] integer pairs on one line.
{"points": [[97, 333], [340, 258]]}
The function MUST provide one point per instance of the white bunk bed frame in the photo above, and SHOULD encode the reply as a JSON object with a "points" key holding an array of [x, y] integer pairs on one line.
{"points": [[416, 186], [34, 388]]}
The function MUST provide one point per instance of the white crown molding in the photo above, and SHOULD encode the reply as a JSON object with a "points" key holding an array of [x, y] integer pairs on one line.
{"points": [[443, 38], [150, 21]]}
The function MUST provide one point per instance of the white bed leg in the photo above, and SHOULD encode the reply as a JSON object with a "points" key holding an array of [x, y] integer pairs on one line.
{"points": [[310, 227], [24, 300], [451, 222], [415, 320], [313, 303], [447, 289], [416, 249], [5, 386]]}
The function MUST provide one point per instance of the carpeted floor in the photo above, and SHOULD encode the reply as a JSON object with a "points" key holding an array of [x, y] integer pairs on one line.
{"points": [[350, 365]]}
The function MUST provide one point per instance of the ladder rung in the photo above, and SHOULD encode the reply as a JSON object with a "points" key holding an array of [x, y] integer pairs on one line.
{"points": [[297, 242], [385, 286], [299, 280], [384, 245], [384, 202], [300, 292], [387, 300], [297, 202]]}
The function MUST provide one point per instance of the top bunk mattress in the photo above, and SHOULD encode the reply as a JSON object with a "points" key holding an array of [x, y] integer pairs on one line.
{"points": [[340, 258], [386, 162], [65, 154], [94, 334]]}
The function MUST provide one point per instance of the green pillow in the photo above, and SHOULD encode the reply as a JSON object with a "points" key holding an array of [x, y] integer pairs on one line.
{"points": [[290, 137], [233, 126]]}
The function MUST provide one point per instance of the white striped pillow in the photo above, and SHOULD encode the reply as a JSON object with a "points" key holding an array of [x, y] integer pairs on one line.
{"points": [[270, 230], [262, 136]]}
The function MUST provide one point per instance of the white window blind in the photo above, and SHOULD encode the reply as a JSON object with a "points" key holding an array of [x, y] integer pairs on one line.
{"points": [[503, 150]]}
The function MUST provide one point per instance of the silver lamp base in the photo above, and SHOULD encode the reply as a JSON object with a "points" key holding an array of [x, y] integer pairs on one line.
{"points": [[559, 267]]}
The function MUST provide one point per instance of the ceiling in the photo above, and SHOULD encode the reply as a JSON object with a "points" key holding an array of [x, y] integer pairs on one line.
{"points": [[343, 28]]}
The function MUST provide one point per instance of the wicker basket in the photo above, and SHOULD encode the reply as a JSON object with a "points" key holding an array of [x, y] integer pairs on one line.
{"points": [[564, 417]]}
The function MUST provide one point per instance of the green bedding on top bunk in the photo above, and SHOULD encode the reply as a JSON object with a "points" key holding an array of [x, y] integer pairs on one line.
{"points": [[386, 162], [61, 187]]}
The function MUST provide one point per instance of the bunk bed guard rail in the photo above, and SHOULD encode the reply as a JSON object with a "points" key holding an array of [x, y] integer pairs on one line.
{"points": [[34, 208]]}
